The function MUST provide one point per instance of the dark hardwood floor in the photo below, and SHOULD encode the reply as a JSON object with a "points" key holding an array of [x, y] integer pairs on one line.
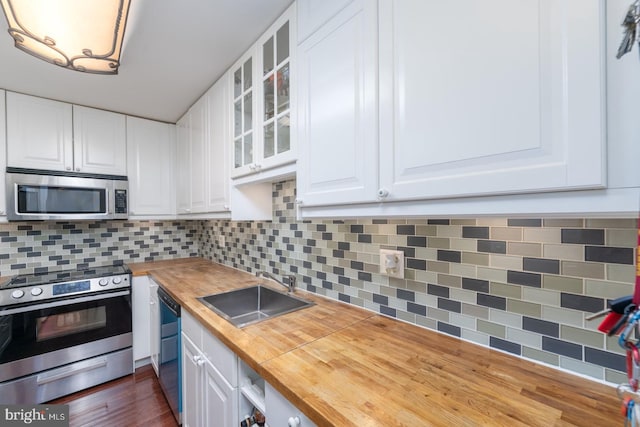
{"points": [[134, 400]]}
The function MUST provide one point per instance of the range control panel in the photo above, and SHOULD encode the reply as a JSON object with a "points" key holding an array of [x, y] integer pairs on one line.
{"points": [[48, 291]]}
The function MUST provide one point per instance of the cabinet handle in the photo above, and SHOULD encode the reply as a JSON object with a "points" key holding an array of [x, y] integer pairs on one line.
{"points": [[298, 201], [68, 168], [226, 207], [77, 169], [258, 166], [383, 193], [293, 421], [151, 303], [252, 166]]}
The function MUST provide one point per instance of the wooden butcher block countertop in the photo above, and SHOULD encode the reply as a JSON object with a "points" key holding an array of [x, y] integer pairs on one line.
{"points": [[345, 366]]}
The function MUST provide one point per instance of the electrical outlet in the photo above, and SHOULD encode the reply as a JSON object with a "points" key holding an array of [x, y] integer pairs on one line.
{"points": [[221, 241], [392, 263]]}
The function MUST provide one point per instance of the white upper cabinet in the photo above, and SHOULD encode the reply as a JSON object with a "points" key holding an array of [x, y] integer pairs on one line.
{"points": [[261, 99], [52, 135], [514, 103], [427, 100], [39, 133], [337, 109], [3, 150], [202, 141], [151, 153], [218, 154], [100, 141], [312, 14]]}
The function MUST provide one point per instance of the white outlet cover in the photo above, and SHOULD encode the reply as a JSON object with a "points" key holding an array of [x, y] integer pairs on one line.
{"points": [[397, 258]]}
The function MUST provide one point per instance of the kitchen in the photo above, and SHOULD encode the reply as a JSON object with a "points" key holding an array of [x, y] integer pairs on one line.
{"points": [[514, 259]]}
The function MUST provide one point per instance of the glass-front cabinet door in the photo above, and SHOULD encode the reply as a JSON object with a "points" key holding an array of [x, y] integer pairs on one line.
{"points": [[262, 99], [243, 117]]}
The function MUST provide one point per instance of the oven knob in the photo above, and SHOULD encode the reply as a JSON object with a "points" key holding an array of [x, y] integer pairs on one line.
{"points": [[36, 291], [116, 280], [103, 282], [17, 294]]}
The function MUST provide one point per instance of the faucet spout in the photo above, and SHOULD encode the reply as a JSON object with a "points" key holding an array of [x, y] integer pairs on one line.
{"points": [[289, 279]]}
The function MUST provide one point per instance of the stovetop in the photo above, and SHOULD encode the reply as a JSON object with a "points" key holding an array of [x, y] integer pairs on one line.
{"points": [[23, 280]]}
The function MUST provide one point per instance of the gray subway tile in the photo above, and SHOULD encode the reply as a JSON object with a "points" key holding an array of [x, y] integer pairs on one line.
{"points": [[449, 329], [475, 232], [492, 246], [541, 326], [526, 279], [541, 265], [582, 236], [475, 285], [581, 302], [524, 222], [562, 348], [608, 254], [406, 295], [449, 305], [449, 256], [491, 301], [605, 358], [416, 308], [437, 290], [505, 345]]}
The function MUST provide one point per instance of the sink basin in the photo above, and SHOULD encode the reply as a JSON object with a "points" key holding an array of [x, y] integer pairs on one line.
{"points": [[245, 306]]}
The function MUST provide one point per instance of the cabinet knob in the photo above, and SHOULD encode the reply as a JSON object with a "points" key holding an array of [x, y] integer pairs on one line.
{"points": [[151, 303], [258, 166], [293, 421], [383, 193], [252, 166], [68, 168], [226, 207], [77, 169]]}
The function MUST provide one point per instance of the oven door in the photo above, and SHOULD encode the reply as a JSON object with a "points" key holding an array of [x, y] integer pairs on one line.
{"points": [[40, 336]]}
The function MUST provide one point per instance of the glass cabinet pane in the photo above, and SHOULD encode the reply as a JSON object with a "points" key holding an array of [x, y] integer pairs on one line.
{"points": [[237, 118], [247, 75], [237, 83], [248, 149], [237, 150], [267, 57], [268, 98], [284, 138], [248, 112], [282, 39], [283, 88], [269, 141]]}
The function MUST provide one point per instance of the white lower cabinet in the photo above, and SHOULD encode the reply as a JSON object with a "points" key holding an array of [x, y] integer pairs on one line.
{"points": [[154, 336], [219, 390], [141, 323], [209, 378], [281, 412]]}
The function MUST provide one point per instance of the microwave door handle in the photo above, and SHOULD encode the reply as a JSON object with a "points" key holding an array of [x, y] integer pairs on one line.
{"points": [[64, 301]]}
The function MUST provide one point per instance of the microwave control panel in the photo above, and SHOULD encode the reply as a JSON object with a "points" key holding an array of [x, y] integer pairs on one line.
{"points": [[120, 201]]}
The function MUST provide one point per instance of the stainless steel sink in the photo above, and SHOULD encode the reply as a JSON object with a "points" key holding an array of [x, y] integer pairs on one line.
{"points": [[245, 306]]}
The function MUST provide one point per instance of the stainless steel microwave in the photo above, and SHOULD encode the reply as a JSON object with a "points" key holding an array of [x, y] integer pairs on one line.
{"points": [[62, 196]]}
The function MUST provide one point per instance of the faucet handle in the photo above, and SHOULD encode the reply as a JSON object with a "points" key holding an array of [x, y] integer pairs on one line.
{"points": [[290, 280]]}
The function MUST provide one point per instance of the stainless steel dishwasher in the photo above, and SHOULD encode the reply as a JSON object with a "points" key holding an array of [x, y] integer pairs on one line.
{"points": [[170, 360]]}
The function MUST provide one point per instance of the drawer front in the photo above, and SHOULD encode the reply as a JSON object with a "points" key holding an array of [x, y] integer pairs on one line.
{"points": [[192, 328]]}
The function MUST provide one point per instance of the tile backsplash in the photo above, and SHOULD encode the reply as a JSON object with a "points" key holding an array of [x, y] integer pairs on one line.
{"points": [[523, 286], [33, 247]]}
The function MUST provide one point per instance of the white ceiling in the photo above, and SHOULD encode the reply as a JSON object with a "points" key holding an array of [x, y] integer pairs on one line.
{"points": [[174, 50]]}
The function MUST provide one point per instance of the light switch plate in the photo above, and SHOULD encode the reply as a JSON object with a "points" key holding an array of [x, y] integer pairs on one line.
{"points": [[392, 263]]}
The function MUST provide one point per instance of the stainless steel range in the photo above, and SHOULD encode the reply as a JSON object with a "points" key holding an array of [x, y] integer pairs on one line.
{"points": [[62, 332]]}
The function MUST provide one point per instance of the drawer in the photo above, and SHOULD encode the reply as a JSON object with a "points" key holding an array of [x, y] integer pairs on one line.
{"points": [[192, 328], [225, 360]]}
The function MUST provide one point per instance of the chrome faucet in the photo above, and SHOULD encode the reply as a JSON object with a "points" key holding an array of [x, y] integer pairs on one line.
{"points": [[289, 278]]}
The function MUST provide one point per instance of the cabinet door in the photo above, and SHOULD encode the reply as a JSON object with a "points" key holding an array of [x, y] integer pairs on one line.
{"points": [[191, 383], [150, 157], [243, 106], [219, 399], [511, 103], [277, 67], [141, 324], [39, 133], [3, 150], [218, 168], [183, 165], [312, 14], [100, 141], [154, 330], [199, 136], [337, 113]]}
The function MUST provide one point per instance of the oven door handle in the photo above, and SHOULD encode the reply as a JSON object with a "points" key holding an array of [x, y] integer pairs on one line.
{"points": [[70, 371], [62, 302]]}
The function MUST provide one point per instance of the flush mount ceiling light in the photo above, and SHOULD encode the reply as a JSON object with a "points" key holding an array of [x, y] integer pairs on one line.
{"points": [[79, 35]]}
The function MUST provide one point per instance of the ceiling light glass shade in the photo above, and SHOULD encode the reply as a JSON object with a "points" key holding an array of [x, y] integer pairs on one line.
{"points": [[81, 35]]}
